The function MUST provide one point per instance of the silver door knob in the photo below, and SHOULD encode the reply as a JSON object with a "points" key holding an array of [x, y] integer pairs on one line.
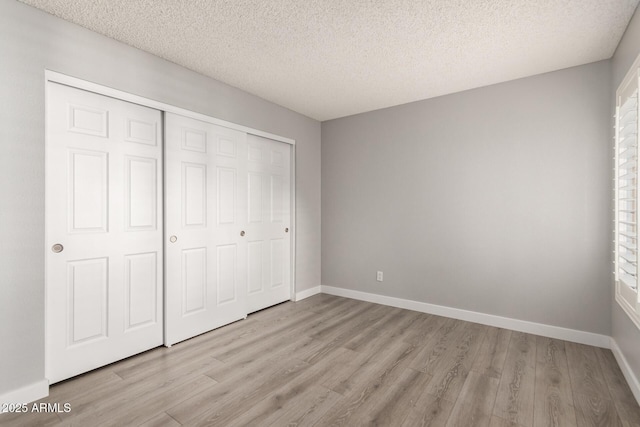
{"points": [[57, 248], [242, 233], [173, 239], [286, 230]]}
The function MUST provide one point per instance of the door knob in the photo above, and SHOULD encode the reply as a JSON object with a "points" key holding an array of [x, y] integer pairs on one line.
{"points": [[242, 233], [286, 230], [173, 239], [57, 248]]}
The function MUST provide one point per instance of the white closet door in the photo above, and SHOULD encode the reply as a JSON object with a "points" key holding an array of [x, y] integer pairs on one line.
{"points": [[269, 223], [205, 227], [103, 230]]}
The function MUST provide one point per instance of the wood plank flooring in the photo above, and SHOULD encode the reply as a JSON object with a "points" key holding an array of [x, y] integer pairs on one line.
{"points": [[328, 361]]}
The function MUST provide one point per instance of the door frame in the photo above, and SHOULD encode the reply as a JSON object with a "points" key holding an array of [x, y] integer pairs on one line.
{"points": [[56, 77]]}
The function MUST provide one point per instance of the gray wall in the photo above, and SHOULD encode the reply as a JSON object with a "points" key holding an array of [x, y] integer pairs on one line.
{"points": [[494, 200], [624, 332], [31, 41]]}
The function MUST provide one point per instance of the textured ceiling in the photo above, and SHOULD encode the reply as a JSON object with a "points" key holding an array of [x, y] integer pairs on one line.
{"points": [[333, 58]]}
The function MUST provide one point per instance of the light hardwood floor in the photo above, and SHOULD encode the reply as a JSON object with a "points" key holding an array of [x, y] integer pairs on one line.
{"points": [[335, 361]]}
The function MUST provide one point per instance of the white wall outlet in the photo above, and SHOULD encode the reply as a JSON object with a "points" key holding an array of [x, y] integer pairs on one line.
{"points": [[379, 276]]}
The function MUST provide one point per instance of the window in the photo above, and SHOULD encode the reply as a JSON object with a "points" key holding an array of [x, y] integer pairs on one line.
{"points": [[626, 238]]}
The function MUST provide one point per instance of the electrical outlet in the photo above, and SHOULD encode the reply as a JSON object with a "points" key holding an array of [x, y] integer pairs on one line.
{"points": [[379, 276]]}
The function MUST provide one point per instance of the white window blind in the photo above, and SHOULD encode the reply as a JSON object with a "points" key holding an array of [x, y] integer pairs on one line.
{"points": [[626, 231]]}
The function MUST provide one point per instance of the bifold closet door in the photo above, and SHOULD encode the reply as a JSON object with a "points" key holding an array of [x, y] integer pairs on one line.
{"points": [[103, 231], [205, 228], [269, 223]]}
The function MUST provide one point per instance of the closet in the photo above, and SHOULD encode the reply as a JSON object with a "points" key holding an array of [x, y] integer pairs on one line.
{"points": [[159, 227]]}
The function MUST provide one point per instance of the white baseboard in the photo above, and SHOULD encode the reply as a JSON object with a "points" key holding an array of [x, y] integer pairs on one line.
{"points": [[27, 394], [307, 293], [631, 378], [557, 332]]}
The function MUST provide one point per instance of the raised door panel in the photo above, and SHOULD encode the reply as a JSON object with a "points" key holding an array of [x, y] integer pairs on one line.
{"points": [[194, 139], [88, 120], [276, 255], [276, 198], [194, 195], [194, 281], [141, 287], [227, 146], [277, 157], [254, 153], [256, 197], [255, 269], [87, 302], [141, 131], [141, 181], [226, 195], [88, 191], [226, 267]]}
